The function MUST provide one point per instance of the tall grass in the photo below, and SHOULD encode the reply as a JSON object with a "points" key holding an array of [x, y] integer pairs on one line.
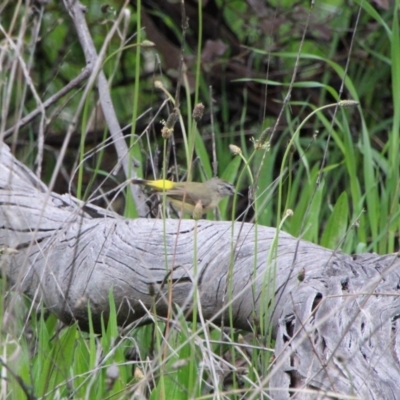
{"points": [[349, 202]]}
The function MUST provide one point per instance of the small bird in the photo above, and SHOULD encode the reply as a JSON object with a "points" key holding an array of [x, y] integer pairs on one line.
{"points": [[189, 196]]}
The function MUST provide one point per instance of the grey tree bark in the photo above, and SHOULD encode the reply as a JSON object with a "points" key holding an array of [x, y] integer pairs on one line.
{"points": [[335, 317]]}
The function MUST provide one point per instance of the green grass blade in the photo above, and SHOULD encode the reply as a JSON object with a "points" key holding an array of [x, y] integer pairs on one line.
{"points": [[336, 226]]}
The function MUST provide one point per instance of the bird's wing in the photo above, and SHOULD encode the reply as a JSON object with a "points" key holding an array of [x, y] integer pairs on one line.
{"points": [[190, 198]]}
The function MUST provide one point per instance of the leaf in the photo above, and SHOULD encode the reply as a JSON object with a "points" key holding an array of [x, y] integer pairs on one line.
{"points": [[336, 227]]}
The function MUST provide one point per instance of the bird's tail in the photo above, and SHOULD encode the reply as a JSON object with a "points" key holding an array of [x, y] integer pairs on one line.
{"points": [[160, 184]]}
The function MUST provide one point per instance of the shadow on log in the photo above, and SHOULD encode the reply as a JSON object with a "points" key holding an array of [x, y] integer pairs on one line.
{"points": [[335, 317]]}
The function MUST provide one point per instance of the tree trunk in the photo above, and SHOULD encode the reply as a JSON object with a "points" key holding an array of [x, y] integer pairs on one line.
{"points": [[335, 317]]}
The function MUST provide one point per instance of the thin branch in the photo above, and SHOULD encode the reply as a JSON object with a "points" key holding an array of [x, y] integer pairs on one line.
{"points": [[49, 102], [77, 11]]}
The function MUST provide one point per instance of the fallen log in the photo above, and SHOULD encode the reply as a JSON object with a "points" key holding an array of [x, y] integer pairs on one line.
{"points": [[334, 317]]}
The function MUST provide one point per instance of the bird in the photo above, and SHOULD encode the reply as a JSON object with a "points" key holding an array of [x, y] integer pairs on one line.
{"points": [[191, 197]]}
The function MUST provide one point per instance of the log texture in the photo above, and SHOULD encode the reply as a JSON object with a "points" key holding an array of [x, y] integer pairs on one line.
{"points": [[335, 317]]}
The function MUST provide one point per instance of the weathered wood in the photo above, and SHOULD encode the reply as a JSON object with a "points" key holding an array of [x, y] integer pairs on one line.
{"points": [[336, 330]]}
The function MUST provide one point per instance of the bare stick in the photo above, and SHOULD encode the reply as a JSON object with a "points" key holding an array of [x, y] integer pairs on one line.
{"points": [[50, 101], [76, 11]]}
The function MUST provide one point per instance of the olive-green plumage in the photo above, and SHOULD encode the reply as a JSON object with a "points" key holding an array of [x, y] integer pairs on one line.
{"points": [[185, 196]]}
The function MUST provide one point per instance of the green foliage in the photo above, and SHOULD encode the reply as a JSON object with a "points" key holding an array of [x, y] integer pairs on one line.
{"points": [[336, 226], [337, 169]]}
